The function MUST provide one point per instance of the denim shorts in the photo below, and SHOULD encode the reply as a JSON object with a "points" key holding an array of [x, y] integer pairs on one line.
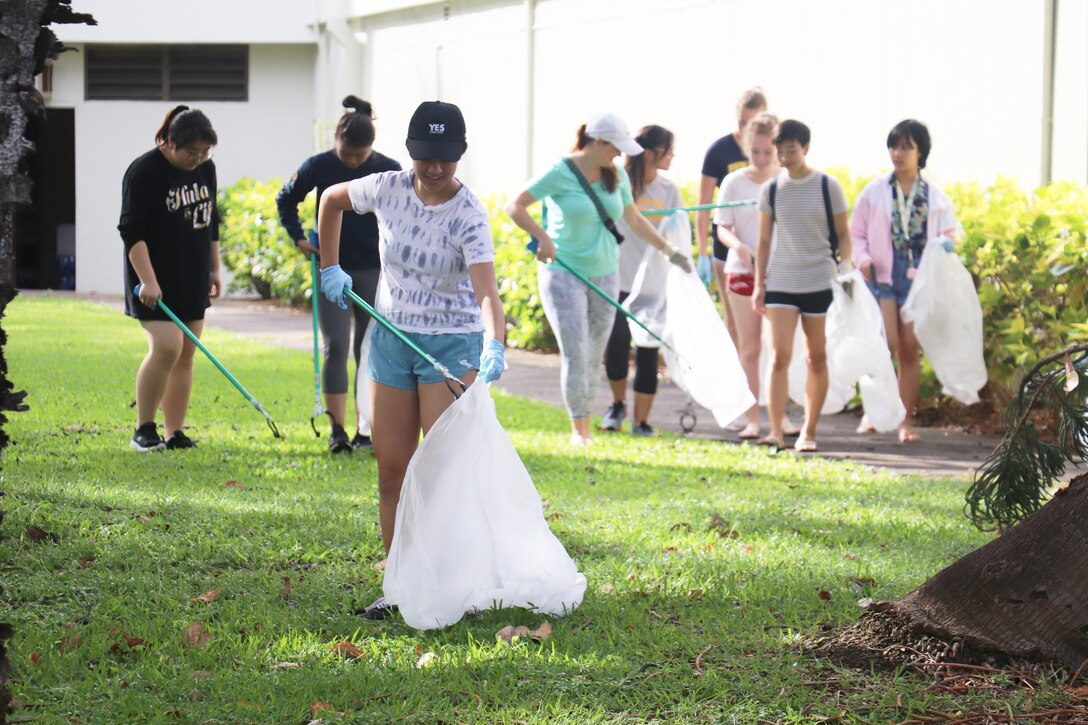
{"points": [[900, 286], [393, 363]]}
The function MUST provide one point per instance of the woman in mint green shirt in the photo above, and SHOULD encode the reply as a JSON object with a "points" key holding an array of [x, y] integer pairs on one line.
{"points": [[582, 320]]}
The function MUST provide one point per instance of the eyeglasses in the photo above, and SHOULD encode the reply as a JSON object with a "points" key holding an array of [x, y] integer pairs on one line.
{"points": [[197, 156]]}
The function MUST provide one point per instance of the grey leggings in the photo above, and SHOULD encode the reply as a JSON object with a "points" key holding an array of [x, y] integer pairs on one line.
{"points": [[582, 322], [336, 327]]}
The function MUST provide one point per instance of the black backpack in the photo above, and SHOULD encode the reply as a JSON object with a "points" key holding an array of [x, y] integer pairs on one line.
{"points": [[833, 237]]}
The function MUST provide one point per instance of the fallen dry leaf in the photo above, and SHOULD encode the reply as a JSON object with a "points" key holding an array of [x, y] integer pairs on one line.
{"points": [[346, 650], [196, 635], [607, 589], [200, 674], [319, 706], [286, 666], [34, 657], [425, 659], [419, 649], [378, 565], [69, 641], [509, 632], [541, 632], [234, 484], [209, 596], [39, 535], [133, 642], [84, 563], [825, 595], [285, 590], [76, 427], [865, 581]]}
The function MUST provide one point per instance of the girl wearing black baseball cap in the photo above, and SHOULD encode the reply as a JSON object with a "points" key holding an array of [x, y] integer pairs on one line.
{"points": [[437, 286]]}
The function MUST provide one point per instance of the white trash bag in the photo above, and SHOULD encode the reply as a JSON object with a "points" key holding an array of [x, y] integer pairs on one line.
{"points": [[647, 298], [857, 350], [703, 361], [470, 530], [362, 381], [947, 319]]}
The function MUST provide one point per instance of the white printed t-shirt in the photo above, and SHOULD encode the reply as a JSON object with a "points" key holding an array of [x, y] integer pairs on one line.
{"points": [[425, 253], [737, 186]]}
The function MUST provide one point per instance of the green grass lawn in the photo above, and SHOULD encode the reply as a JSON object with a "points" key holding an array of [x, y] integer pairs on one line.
{"points": [[681, 622]]}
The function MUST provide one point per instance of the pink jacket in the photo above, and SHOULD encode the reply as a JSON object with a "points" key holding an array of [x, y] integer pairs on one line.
{"points": [[871, 224]]}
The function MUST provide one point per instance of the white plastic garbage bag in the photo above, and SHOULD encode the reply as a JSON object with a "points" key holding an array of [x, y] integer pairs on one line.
{"points": [[647, 298], [857, 350], [947, 319], [362, 381], [470, 528], [838, 394], [703, 361]]}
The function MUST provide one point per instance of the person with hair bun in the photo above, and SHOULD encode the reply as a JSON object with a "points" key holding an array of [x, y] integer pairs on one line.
{"points": [[352, 157], [651, 191], [895, 218], [170, 227], [587, 238]]}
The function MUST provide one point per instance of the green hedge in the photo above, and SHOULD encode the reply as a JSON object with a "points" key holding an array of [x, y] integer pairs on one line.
{"points": [[1027, 250], [256, 248]]}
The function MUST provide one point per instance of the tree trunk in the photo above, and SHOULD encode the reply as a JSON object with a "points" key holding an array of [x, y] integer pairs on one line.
{"points": [[1022, 596], [25, 43]]}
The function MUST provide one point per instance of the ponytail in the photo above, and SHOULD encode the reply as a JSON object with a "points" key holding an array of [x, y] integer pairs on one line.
{"points": [[184, 126], [651, 138], [356, 126]]}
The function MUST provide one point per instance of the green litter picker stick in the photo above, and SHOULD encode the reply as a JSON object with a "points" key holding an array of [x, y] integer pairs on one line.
{"points": [[315, 290], [700, 207], [442, 370], [196, 341]]}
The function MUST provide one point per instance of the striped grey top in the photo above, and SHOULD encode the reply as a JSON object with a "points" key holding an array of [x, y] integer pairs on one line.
{"points": [[802, 260]]}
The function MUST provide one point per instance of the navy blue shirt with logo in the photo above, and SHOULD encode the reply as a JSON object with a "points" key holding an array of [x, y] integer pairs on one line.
{"points": [[358, 232], [173, 211]]}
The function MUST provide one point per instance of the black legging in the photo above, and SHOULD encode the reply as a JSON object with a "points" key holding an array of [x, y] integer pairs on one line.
{"points": [[618, 350]]}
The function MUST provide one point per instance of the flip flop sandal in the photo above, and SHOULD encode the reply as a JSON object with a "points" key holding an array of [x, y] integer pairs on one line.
{"points": [[804, 445], [750, 432], [772, 441], [909, 436]]}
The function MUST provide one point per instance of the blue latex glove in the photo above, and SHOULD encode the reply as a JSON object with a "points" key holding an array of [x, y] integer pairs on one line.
{"points": [[492, 362], [947, 245], [312, 238], [333, 282], [705, 269]]}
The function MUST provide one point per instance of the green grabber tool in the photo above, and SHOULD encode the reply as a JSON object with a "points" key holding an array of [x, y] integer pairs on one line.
{"points": [[315, 290], [196, 341], [700, 207], [442, 370]]}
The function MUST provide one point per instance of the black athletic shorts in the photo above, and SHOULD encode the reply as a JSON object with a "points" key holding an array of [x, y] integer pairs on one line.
{"points": [[810, 304]]}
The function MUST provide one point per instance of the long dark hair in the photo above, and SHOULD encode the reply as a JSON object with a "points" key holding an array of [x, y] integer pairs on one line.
{"points": [[356, 126], [183, 126], [609, 177], [651, 138]]}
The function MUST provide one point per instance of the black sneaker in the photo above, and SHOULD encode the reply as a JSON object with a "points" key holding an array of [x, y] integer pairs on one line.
{"points": [[377, 610], [613, 419], [361, 441], [179, 441], [146, 438], [643, 429], [338, 440]]}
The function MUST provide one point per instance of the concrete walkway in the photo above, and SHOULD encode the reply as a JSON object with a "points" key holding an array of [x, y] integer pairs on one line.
{"points": [[940, 452]]}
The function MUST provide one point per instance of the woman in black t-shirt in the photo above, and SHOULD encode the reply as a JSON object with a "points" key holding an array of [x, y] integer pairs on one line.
{"points": [[352, 157], [170, 227]]}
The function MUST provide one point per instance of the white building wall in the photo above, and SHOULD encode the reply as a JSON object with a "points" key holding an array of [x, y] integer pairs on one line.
{"points": [[267, 136], [850, 69]]}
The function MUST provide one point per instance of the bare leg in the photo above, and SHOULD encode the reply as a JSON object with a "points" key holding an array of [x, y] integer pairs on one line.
{"points": [[179, 386], [337, 405], [164, 341], [783, 324], [643, 403], [749, 327], [910, 378], [619, 389], [816, 385]]}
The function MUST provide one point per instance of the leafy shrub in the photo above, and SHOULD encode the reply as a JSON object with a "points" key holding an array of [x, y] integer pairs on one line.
{"points": [[515, 268], [256, 248], [1029, 255]]}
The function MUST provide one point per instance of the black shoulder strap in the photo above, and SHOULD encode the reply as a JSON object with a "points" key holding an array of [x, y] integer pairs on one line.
{"points": [[773, 189], [833, 235], [608, 222]]}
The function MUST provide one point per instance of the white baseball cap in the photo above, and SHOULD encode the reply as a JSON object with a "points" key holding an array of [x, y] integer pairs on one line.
{"points": [[611, 128]]}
